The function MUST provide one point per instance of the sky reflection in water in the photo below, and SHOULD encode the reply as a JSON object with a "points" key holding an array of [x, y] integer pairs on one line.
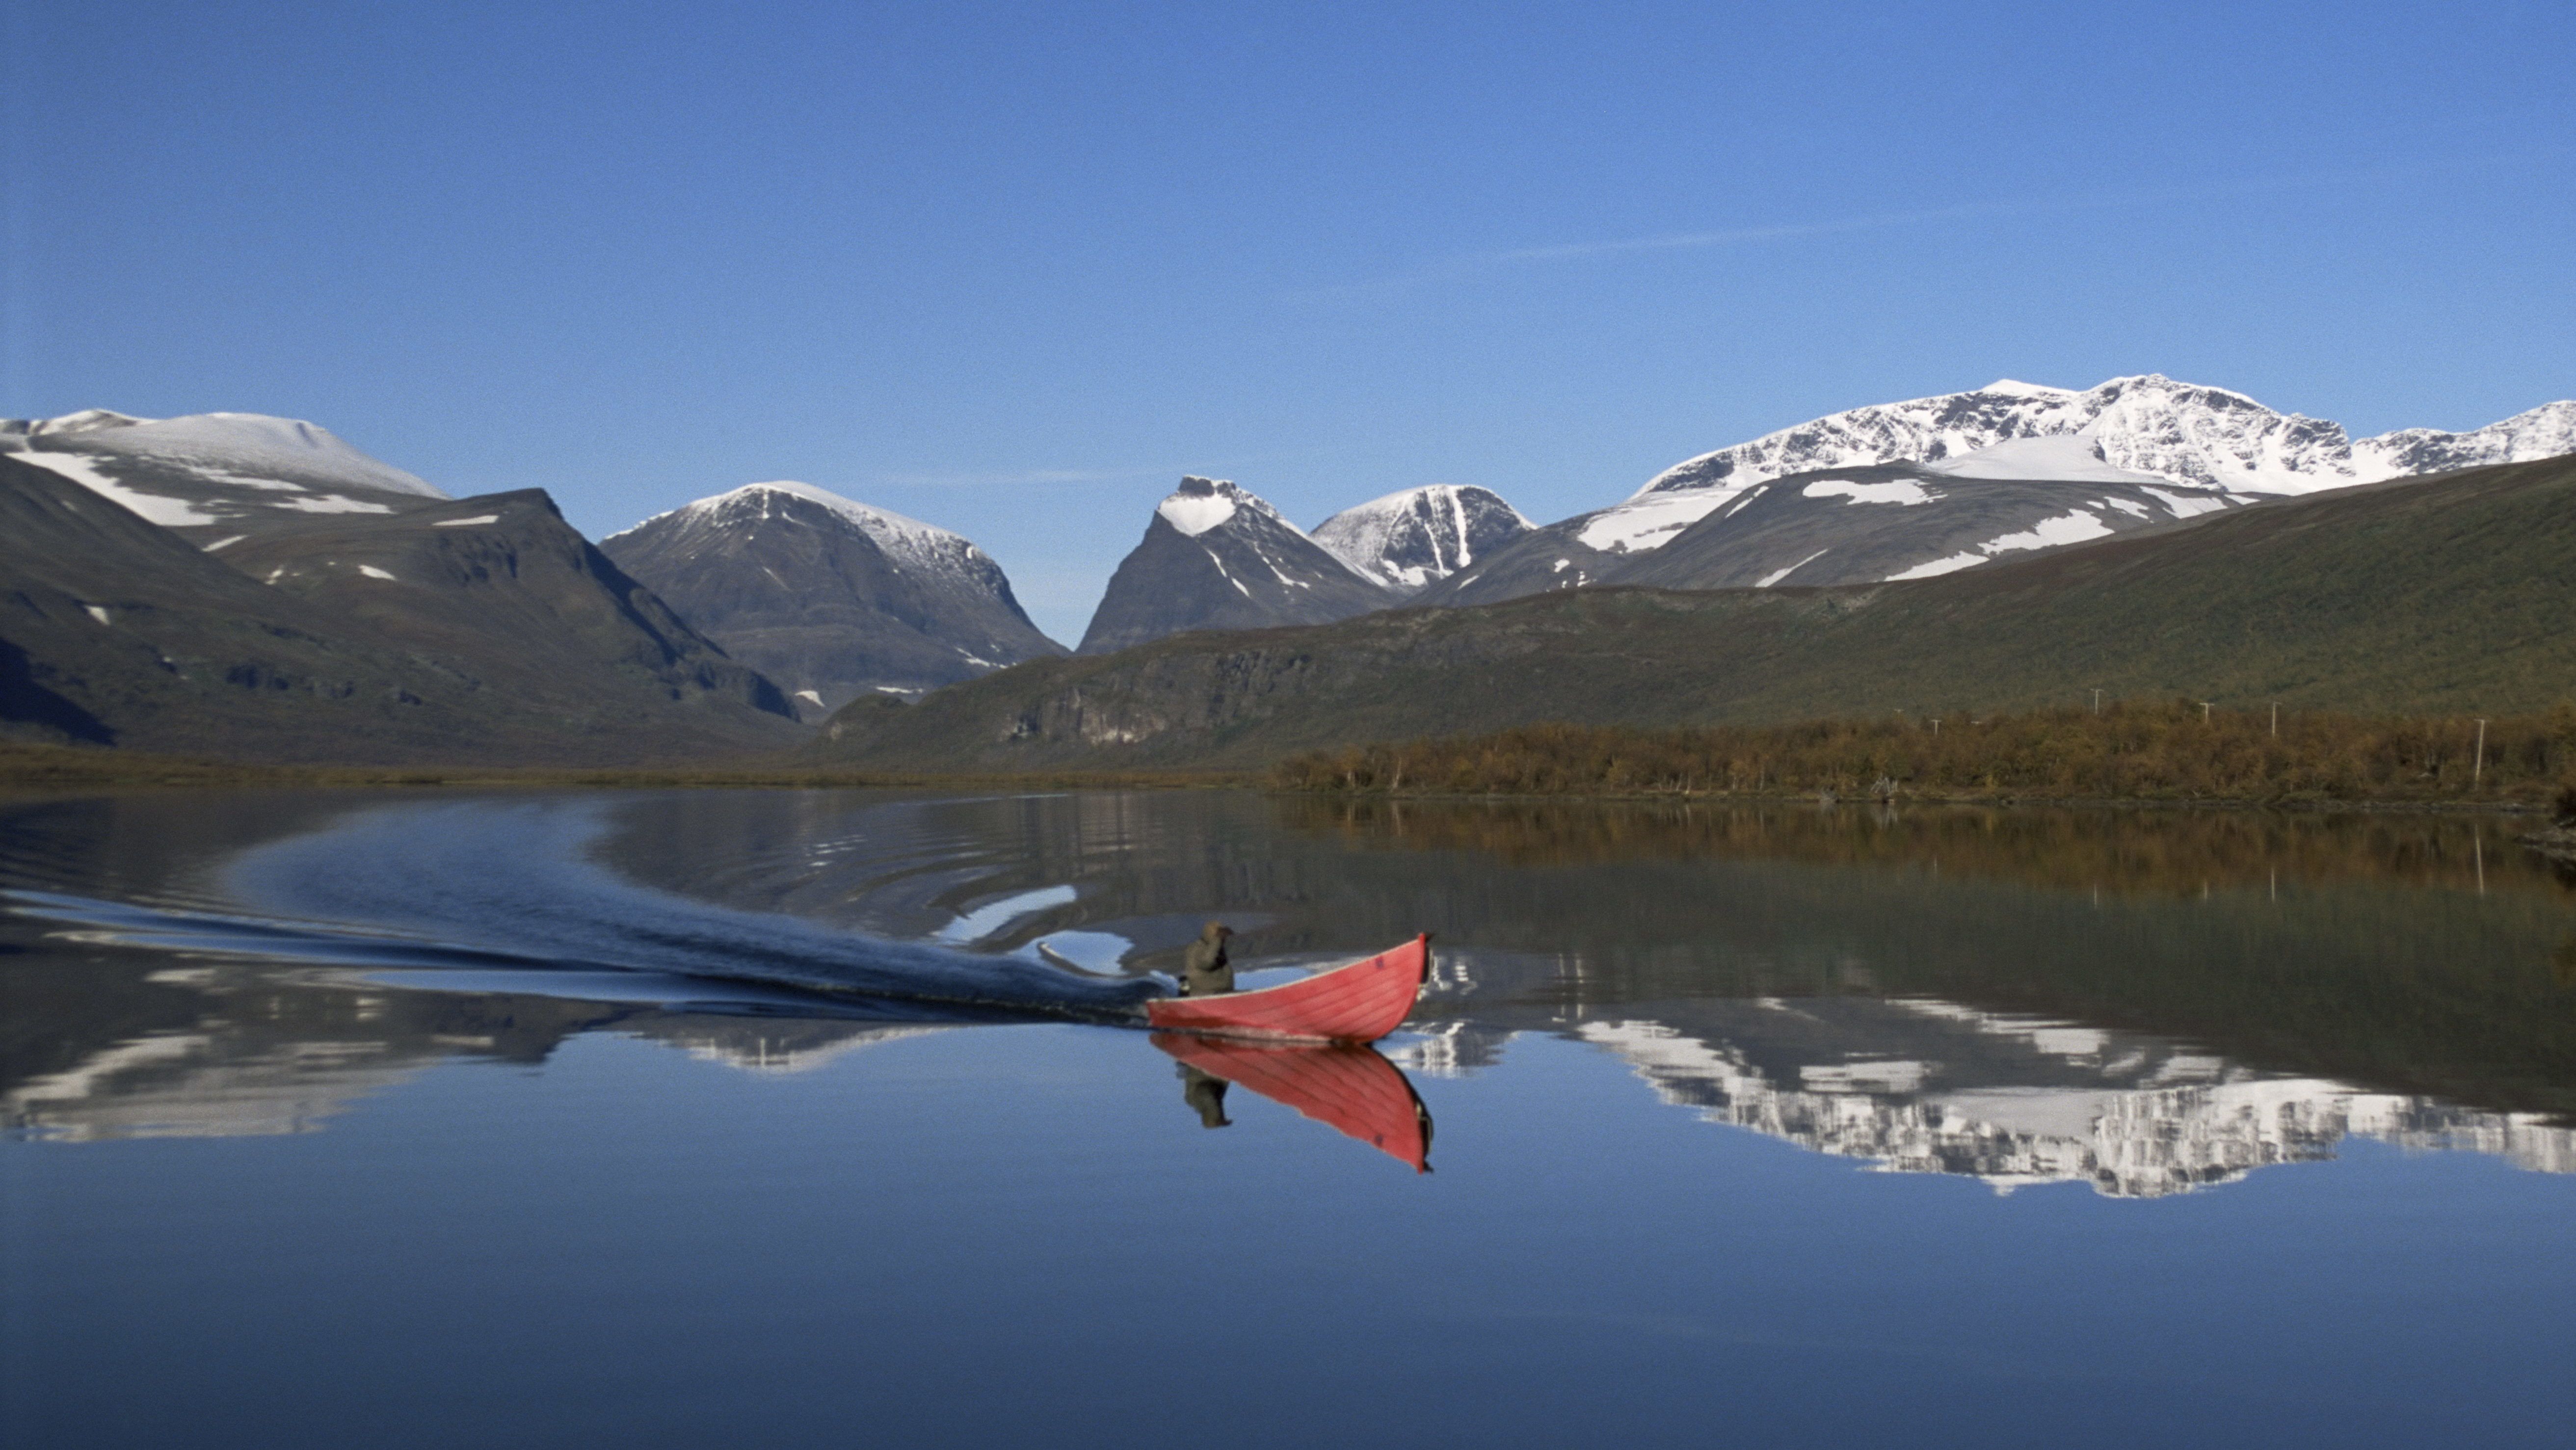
{"points": [[357, 1117]]}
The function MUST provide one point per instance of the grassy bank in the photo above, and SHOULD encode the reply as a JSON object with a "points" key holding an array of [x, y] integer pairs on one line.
{"points": [[2168, 751]]}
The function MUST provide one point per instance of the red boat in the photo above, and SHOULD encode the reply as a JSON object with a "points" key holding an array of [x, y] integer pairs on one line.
{"points": [[1358, 1003], [1343, 1087]]}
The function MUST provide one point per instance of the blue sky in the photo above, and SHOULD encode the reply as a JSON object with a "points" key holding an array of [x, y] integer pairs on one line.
{"points": [[1013, 269]]}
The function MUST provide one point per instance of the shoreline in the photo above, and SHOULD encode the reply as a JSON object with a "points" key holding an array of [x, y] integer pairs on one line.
{"points": [[43, 768]]}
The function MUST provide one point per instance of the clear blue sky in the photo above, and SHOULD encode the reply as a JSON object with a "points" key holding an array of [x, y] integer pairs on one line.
{"points": [[1012, 269]]}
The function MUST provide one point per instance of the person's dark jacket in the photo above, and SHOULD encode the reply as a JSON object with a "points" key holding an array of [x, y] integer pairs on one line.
{"points": [[1204, 968]]}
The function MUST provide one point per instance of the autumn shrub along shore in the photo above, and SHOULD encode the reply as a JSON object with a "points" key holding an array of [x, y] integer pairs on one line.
{"points": [[2166, 751]]}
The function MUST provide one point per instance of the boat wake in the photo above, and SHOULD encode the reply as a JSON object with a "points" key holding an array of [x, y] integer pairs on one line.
{"points": [[486, 885]]}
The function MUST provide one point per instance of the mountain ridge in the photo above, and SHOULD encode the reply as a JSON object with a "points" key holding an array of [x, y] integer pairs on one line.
{"points": [[2446, 593]]}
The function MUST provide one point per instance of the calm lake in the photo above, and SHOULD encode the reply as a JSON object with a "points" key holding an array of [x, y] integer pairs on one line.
{"points": [[580, 1118]]}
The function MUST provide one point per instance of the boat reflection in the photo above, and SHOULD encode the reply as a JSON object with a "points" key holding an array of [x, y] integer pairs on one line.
{"points": [[1351, 1090]]}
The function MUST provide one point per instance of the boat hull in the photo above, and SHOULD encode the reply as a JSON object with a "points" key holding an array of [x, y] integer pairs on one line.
{"points": [[1358, 1003]]}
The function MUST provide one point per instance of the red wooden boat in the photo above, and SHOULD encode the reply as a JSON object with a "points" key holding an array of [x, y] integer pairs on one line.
{"points": [[1348, 1088], [1358, 1003]]}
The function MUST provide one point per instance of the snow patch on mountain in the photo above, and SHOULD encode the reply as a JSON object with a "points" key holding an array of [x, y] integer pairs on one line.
{"points": [[1950, 565], [1644, 523], [82, 468], [1195, 514], [2185, 506], [1777, 575], [1904, 493], [2072, 527], [1419, 536]]}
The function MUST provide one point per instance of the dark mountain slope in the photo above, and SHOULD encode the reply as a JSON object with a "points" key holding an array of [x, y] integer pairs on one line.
{"points": [[2449, 593], [115, 630], [829, 597], [502, 589]]}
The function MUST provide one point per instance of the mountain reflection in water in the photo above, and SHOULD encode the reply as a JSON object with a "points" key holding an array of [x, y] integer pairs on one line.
{"points": [[2146, 1002]]}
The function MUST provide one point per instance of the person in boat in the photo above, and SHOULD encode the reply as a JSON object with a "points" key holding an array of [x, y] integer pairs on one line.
{"points": [[1205, 972]]}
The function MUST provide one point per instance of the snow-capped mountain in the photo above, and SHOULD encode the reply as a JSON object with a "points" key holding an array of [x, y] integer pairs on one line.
{"points": [[1410, 540], [215, 477], [2029, 466], [1215, 556], [831, 598], [2181, 432]]}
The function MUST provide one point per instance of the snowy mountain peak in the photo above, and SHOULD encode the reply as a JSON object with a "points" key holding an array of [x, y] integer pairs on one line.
{"points": [[907, 541], [248, 449], [1414, 538], [831, 598], [2544, 432], [1217, 556], [2147, 425], [1201, 504]]}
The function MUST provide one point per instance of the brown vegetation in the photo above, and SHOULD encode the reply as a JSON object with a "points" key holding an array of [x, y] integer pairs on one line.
{"points": [[2174, 751], [2163, 852]]}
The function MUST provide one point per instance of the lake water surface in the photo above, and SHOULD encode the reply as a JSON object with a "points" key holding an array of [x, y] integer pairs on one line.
{"points": [[802, 1118]]}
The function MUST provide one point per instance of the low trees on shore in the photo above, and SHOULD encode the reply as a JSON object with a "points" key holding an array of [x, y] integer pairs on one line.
{"points": [[2169, 750]]}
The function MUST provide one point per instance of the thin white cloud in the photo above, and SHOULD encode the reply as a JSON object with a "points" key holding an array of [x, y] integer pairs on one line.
{"points": [[1473, 264]]}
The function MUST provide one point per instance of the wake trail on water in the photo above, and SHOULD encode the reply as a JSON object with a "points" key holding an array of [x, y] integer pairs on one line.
{"points": [[511, 883]]}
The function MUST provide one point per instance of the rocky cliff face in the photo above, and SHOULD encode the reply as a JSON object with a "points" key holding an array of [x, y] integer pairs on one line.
{"points": [[829, 597], [1216, 556]]}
